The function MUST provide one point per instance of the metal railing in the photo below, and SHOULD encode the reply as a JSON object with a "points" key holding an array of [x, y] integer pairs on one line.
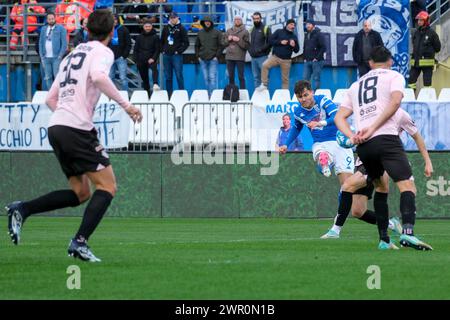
{"points": [[24, 52], [437, 9], [213, 126]]}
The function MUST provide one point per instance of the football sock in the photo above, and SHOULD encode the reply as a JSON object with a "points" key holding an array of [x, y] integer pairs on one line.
{"points": [[345, 204], [408, 211], [369, 217], [93, 214], [51, 201], [336, 229], [382, 214]]}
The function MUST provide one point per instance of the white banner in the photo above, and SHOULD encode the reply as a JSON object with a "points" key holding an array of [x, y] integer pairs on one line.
{"points": [[23, 126], [274, 14], [431, 119]]}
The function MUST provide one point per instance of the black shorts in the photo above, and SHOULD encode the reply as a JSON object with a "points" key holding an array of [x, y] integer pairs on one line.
{"points": [[385, 153], [78, 151], [368, 189]]}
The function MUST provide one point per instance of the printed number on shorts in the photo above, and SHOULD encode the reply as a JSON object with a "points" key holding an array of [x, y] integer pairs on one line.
{"points": [[367, 91], [72, 64], [349, 162]]}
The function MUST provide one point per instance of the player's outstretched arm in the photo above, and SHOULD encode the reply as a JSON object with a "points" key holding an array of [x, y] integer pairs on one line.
{"points": [[424, 152], [341, 121], [104, 83]]}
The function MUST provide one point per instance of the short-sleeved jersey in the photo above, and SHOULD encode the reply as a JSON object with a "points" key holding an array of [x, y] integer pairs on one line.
{"points": [[370, 95], [323, 109], [77, 94], [406, 123]]}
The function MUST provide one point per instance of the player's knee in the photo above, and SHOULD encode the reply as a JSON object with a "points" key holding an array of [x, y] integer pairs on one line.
{"points": [[112, 189], [347, 186], [382, 189], [83, 195], [357, 212]]}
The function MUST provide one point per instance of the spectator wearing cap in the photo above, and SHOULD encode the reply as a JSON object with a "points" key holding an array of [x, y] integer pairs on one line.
{"points": [[208, 48], [259, 46], [365, 40], [146, 53], [174, 41], [120, 45], [237, 42], [284, 42], [314, 49]]}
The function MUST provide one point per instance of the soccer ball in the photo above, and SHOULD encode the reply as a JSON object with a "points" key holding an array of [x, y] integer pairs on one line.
{"points": [[343, 140]]}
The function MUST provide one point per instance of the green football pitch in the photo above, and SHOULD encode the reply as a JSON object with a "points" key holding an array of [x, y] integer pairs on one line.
{"points": [[222, 259]]}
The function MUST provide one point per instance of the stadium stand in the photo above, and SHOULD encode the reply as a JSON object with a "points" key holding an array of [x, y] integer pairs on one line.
{"points": [[427, 95], [139, 96], [325, 92], [339, 96], [261, 98], [409, 95], [444, 96], [179, 98], [199, 96], [39, 97]]}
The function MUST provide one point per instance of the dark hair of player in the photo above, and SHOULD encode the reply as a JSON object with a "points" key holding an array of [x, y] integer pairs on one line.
{"points": [[301, 86], [100, 24], [380, 54]]}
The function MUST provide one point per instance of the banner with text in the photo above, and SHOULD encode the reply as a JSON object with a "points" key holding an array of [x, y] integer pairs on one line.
{"points": [[274, 14], [431, 119], [338, 22], [23, 126]]}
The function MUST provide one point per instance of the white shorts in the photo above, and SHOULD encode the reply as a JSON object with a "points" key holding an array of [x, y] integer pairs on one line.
{"points": [[343, 159]]}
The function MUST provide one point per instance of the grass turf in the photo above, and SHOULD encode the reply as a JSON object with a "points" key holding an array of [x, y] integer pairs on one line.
{"points": [[222, 259]]}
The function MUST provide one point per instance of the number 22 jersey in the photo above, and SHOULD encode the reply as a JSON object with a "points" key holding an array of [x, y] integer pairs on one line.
{"points": [[77, 93]]}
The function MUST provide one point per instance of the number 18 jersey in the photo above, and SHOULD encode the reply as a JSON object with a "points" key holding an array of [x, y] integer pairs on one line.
{"points": [[370, 95], [77, 94]]}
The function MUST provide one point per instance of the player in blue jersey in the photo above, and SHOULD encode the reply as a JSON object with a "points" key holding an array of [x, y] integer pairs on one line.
{"points": [[316, 112]]}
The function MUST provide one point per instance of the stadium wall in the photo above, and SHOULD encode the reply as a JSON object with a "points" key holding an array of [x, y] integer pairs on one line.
{"points": [[151, 185], [332, 78]]}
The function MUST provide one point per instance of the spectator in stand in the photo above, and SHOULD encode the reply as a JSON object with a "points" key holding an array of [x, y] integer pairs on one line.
{"points": [[416, 7], [52, 48], [70, 12], [208, 48], [156, 7], [237, 42], [103, 4], [283, 134], [426, 44], [82, 35], [121, 46], [314, 49], [17, 17], [284, 43], [174, 41], [259, 46], [365, 40], [132, 15], [146, 53]]}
